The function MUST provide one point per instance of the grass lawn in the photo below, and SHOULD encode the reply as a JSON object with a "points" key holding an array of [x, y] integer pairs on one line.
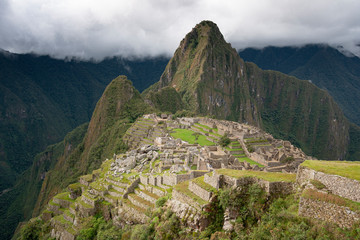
{"points": [[341, 168], [246, 159], [187, 136], [267, 176]]}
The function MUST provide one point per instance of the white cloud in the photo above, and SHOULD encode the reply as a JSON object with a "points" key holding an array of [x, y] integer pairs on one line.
{"points": [[148, 28]]}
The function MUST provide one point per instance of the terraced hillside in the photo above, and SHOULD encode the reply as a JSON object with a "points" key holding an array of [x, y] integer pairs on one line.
{"points": [[190, 184]]}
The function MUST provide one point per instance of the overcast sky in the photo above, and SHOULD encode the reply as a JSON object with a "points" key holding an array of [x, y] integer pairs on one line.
{"points": [[96, 29]]}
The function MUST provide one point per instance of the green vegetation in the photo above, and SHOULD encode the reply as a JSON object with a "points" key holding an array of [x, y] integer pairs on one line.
{"points": [[200, 182], [187, 136], [224, 141], [342, 168], [267, 176], [324, 65], [183, 188], [319, 185], [252, 162], [166, 100], [64, 196]]}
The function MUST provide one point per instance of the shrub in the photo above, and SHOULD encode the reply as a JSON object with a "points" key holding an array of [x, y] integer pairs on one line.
{"points": [[32, 230], [224, 140], [287, 160], [161, 202], [319, 185]]}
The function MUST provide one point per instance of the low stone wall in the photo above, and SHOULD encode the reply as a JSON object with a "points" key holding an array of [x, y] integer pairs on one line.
{"points": [[132, 187], [277, 188], [145, 197], [258, 158], [213, 180], [215, 163], [190, 216], [169, 180], [185, 199], [144, 180], [130, 215], [338, 185], [273, 188], [199, 191], [196, 174], [340, 215], [62, 234]]}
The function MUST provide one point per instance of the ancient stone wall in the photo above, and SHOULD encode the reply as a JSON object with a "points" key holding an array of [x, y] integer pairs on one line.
{"points": [[338, 185], [184, 198], [132, 187], [340, 215], [213, 180], [200, 192]]}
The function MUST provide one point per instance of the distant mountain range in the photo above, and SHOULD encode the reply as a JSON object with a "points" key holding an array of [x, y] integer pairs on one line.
{"points": [[323, 65], [41, 99]]}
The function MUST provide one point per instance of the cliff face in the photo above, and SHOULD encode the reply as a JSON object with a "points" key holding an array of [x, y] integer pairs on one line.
{"points": [[209, 75], [213, 80]]}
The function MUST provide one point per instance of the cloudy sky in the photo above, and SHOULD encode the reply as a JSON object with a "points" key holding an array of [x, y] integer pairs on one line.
{"points": [[96, 29]]}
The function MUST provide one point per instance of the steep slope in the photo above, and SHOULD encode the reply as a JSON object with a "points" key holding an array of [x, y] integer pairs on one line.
{"points": [[81, 152], [325, 66], [118, 107], [18, 203], [213, 80], [41, 99]]}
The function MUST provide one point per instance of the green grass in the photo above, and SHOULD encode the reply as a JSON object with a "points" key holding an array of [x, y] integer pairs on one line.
{"points": [[184, 188], [130, 204], [141, 200], [233, 149], [239, 155], [267, 176], [200, 182], [187, 136], [252, 162], [87, 178], [98, 186], [203, 126], [200, 129], [342, 168], [84, 204], [64, 196]]}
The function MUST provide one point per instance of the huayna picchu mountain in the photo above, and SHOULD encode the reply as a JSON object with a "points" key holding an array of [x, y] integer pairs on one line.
{"points": [[206, 76], [213, 80]]}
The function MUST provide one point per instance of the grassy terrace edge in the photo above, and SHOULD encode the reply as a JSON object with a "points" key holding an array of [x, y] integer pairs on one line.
{"points": [[267, 176], [330, 198], [342, 168]]}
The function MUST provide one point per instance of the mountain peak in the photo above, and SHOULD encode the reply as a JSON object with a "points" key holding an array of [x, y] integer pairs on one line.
{"points": [[205, 32]]}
